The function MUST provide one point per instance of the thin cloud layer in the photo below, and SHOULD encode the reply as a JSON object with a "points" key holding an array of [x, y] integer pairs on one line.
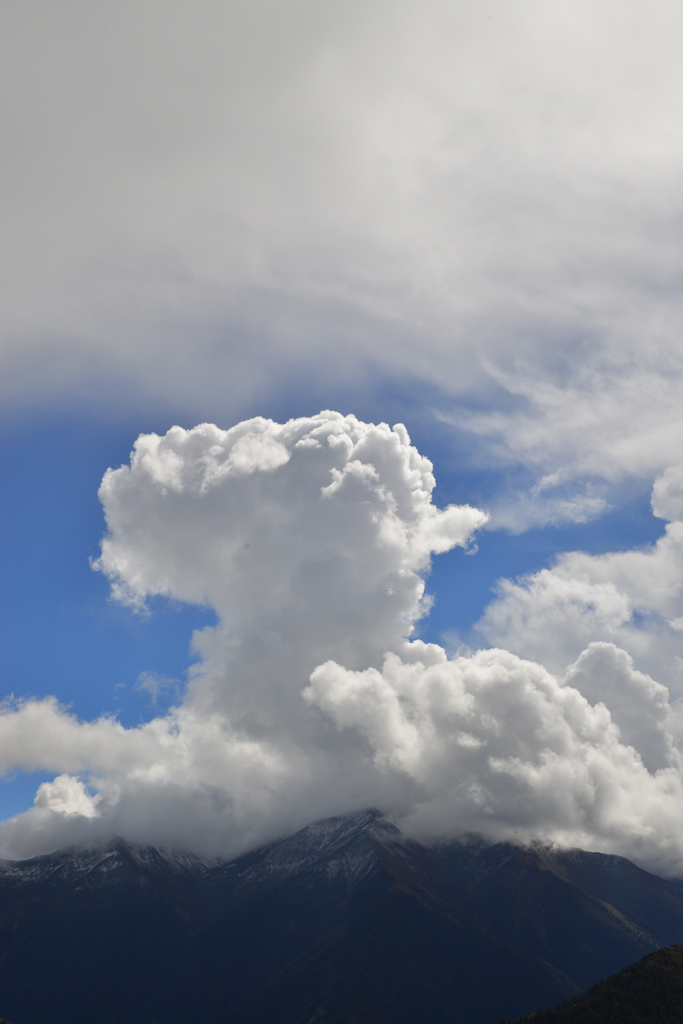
{"points": [[311, 540]]}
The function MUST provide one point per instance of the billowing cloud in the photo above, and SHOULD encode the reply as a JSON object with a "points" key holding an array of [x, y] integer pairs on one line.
{"points": [[497, 745], [638, 705], [311, 540]]}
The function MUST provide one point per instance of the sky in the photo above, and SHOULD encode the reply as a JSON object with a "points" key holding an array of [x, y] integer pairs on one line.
{"points": [[341, 423]]}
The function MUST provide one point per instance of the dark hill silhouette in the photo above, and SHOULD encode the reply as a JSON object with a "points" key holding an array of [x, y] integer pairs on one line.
{"points": [[343, 923], [649, 992]]}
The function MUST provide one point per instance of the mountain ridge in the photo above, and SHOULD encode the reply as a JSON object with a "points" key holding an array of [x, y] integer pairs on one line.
{"points": [[346, 920]]}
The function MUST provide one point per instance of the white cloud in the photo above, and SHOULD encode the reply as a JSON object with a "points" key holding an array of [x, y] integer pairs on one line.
{"points": [[498, 745], [310, 540], [66, 796], [587, 426], [518, 511], [638, 705], [633, 598], [667, 494], [208, 202]]}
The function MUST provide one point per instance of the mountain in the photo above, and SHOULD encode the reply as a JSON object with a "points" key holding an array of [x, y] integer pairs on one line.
{"points": [[649, 992], [343, 923]]}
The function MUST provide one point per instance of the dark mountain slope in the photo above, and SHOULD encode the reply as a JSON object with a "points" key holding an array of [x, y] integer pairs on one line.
{"points": [[87, 925], [401, 960], [649, 992], [343, 922], [588, 914], [360, 926]]}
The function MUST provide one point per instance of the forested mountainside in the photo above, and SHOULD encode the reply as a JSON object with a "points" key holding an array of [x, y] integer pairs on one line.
{"points": [[648, 992], [343, 922]]}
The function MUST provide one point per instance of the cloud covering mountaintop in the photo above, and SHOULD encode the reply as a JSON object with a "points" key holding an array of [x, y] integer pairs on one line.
{"points": [[311, 540]]}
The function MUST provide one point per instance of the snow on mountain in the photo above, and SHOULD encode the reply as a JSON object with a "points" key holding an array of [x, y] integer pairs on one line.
{"points": [[76, 863]]}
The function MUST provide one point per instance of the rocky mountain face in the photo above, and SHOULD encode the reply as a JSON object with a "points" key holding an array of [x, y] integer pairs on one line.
{"points": [[342, 923]]}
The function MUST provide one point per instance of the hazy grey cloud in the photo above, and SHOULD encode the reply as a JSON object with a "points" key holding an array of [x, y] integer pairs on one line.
{"points": [[207, 201]]}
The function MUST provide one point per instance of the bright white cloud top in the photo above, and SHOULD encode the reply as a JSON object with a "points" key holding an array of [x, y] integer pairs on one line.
{"points": [[311, 540]]}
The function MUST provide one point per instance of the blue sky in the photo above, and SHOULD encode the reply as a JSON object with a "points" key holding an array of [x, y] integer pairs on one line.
{"points": [[446, 217]]}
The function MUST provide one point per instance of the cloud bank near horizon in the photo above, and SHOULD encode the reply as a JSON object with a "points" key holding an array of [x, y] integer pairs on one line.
{"points": [[311, 541]]}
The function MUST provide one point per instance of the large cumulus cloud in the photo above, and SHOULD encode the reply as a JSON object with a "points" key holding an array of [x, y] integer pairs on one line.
{"points": [[311, 540]]}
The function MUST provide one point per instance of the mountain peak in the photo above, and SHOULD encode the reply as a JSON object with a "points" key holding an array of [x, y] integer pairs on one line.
{"points": [[338, 847], [314, 924]]}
